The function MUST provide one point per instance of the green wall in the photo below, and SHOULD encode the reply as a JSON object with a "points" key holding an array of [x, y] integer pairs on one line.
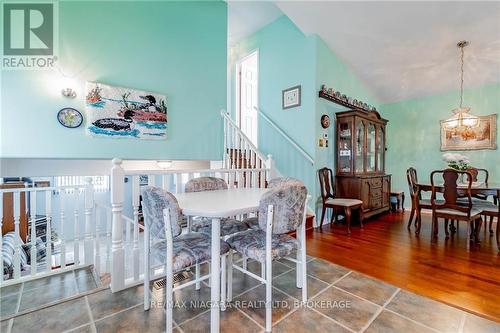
{"points": [[414, 133], [175, 48], [286, 58], [333, 73]]}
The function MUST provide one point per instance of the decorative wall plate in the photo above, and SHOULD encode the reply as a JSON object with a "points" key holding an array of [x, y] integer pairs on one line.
{"points": [[70, 118]]}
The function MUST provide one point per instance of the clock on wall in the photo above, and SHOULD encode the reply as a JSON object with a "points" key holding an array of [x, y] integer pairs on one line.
{"points": [[70, 118]]}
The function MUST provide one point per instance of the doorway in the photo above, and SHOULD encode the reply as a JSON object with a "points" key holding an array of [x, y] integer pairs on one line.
{"points": [[247, 96]]}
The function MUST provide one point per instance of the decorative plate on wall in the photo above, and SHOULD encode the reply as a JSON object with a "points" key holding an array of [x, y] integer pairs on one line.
{"points": [[325, 121], [70, 118]]}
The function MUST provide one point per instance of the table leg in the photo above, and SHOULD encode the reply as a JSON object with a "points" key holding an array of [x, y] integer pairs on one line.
{"points": [[215, 278]]}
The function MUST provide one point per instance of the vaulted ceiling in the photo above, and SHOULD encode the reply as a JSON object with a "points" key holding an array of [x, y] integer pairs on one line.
{"points": [[404, 50]]}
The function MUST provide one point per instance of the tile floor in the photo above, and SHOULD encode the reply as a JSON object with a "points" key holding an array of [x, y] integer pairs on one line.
{"points": [[19, 298], [340, 301]]}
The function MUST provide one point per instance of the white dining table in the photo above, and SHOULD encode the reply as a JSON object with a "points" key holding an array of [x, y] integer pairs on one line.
{"points": [[216, 205]]}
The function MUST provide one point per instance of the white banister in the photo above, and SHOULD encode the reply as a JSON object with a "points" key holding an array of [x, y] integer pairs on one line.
{"points": [[135, 206], [237, 146], [48, 231], [61, 226], [76, 225], [89, 211], [33, 232], [17, 253], [117, 250]]}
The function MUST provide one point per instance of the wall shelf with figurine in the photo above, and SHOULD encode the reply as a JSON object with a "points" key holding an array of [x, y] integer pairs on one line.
{"points": [[337, 97]]}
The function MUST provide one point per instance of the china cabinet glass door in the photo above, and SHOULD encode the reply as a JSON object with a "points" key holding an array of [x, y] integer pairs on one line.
{"points": [[360, 143], [371, 148], [345, 147], [380, 149]]}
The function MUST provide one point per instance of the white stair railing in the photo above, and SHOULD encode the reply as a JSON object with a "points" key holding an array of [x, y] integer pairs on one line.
{"points": [[47, 205], [127, 248], [239, 151]]}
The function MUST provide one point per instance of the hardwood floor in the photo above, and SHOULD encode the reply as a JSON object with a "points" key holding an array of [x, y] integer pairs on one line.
{"points": [[445, 270]]}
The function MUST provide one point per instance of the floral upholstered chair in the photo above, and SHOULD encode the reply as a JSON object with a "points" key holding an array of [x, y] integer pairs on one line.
{"points": [[165, 243], [202, 224], [253, 222], [281, 210]]}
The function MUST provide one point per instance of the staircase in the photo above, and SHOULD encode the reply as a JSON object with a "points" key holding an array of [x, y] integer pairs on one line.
{"points": [[241, 153]]}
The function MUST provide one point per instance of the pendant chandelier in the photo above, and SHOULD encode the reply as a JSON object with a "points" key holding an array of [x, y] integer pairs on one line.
{"points": [[462, 120]]}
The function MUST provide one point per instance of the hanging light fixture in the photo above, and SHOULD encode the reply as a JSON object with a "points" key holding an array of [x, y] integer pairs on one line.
{"points": [[462, 120]]}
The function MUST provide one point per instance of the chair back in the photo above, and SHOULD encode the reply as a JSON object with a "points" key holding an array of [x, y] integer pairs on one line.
{"points": [[275, 182], [411, 176], [289, 202], [326, 183], [205, 184], [475, 174], [451, 190], [154, 201]]}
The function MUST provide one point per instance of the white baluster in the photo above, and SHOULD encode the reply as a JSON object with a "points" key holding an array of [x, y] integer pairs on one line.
{"points": [[98, 222], [108, 226], [33, 264], [48, 231], [135, 205], [151, 180], [89, 210], [270, 166], [117, 250], [76, 240], [240, 178], [165, 179], [17, 244], [224, 156], [63, 237], [178, 183]]}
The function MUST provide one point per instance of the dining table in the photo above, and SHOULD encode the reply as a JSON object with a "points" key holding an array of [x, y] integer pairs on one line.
{"points": [[217, 205], [487, 189], [483, 188]]}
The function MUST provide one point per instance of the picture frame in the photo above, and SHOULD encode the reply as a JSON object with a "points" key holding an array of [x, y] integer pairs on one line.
{"points": [[482, 137], [291, 97]]}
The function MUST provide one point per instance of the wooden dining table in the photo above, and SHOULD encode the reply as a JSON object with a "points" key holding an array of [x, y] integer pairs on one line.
{"points": [[487, 189], [477, 188]]}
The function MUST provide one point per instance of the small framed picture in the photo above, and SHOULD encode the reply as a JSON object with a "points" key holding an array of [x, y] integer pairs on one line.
{"points": [[291, 97]]}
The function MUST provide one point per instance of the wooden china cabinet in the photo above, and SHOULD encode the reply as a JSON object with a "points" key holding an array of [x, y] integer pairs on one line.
{"points": [[360, 152]]}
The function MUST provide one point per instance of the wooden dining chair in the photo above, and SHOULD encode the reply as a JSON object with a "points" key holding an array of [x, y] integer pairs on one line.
{"points": [[330, 201], [451, 208], [492, 210], [475, 172], [417, 203]]}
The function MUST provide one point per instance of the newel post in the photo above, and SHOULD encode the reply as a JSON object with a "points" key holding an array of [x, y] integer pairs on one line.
{"points": [[89, 225], [117, 250], [270, 166]]}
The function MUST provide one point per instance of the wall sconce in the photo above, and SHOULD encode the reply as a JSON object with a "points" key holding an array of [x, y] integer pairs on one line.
{"points": [[68, 92], [164, 164]]}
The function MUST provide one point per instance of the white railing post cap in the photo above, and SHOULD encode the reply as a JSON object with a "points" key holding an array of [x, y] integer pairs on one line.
{"points": [[117, 161]]}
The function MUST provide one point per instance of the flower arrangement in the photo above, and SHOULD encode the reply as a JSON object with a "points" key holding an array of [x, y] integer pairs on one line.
{"points": [[457, 161]]}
